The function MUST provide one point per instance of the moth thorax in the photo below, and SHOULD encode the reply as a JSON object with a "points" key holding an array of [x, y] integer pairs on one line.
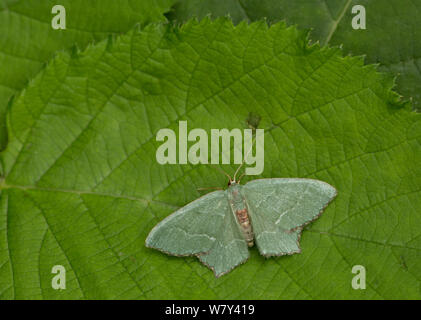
{"points": [[244, 221]]}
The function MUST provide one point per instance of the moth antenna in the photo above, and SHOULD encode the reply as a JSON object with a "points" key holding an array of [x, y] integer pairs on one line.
{"points": [[245, 157], [239, 179], [209, 188], [229, 177]]}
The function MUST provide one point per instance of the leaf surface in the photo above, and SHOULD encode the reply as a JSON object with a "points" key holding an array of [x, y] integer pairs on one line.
{"points": [[28, 41], [83, 188]]}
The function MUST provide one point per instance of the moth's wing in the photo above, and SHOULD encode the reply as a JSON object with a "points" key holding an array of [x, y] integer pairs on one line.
{"points": [[230, 248], [193, 228], [279, 208]]}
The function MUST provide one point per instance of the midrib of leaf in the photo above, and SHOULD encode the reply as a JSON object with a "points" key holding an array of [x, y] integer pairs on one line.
{"points": [[241, 6], [5, 186], [336, 22]]}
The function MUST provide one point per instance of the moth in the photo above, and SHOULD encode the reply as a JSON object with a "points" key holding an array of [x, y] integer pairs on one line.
{"points": [[220, 226]]}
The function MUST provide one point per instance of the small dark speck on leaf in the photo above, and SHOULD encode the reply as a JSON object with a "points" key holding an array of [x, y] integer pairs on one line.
{"points": [[253, 121], [403, 263]]}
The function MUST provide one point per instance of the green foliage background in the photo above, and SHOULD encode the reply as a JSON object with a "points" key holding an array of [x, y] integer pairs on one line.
{"points": [[81, 186], [392, 38], [27, 40]]}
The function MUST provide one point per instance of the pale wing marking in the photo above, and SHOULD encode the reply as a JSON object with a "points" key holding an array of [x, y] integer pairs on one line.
{"points": [[294, 206]]}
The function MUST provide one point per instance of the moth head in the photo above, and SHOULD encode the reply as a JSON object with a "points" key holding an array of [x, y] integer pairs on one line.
{"points": [[232, 181]]}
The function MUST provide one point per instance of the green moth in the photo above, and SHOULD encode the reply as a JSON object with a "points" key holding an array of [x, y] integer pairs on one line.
{"points": [[220, 226]]}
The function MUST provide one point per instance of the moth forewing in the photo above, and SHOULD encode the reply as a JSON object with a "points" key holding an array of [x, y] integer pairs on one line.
{"points": [[191, 229]]}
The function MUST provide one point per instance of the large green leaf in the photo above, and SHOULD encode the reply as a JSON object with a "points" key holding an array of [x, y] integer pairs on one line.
{"points": [[392, 37], [28, 41], [83, 187]]}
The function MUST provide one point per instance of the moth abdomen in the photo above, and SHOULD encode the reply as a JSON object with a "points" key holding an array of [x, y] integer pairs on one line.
{"points": [[244, 221], [240, 210]]}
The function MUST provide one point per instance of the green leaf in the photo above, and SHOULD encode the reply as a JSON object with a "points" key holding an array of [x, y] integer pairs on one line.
{"points": [[83, 187], [392, 37], [28, 41]]}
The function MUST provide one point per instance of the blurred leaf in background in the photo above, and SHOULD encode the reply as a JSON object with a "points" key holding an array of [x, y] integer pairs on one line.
{"points": [[392, 37]]}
